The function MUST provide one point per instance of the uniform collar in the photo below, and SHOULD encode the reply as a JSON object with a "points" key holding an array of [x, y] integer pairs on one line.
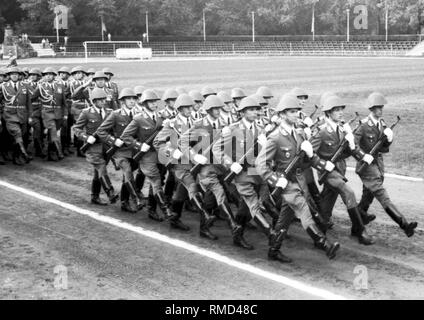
{"points": [[248, 124], [126, 110], [150, 113], [332, 124], [286, 127], [374, 120], [212, 121]]}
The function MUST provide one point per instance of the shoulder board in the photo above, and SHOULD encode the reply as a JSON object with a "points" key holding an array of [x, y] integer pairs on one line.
{"points": [[110, 110]]}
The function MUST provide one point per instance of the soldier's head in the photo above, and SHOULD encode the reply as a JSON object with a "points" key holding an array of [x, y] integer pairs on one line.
{"points": [[64, 73], [266, 93], [333, 108], [197, 98], [35, 75], [91, 72], [78, 73], [226, 99], [25, 72], [149, 100], [49, 74], [301, 95], [262, 103], [249, 109], [237, 94], [14, 73], [128, 98], [138, 90], [184, 104], [98, 97], [108, 72], [100, 79], [213, 106], [169, 97], [288, 109], [375, 103]]}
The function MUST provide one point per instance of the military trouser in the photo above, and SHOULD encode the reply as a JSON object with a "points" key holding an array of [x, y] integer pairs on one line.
{"points": [[334, 186], [187, 187], [52, 126], [373, 179], [209, 182], [38, 134], [17, 130], [149, 166], [127, 165]]}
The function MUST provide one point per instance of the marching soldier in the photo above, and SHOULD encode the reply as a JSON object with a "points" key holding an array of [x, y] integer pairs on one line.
{"points": [[169, 98], [169, 142], [332, 133], [54, 111], [198, 102], [283, 145], [111, 84], [66, 139], [371, 129], [110, 132], [226, 112], [85, 129], [247, 137], [37, 121], [237, 94], [142, 128], [138, 90], [17, 114], [99, 80], [77, 105]]}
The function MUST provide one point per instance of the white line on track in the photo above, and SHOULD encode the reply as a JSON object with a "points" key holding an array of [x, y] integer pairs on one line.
{"points": [[303, 287], [396, 176]]}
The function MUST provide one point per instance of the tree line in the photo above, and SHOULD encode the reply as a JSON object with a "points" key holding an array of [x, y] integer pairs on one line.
{"points": [[223, 17]]}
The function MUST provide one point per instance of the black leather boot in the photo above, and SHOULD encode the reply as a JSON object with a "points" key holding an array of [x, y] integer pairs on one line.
{"points": [[197, 202], [275, 240], [58, 148], [174, 221], [239, 240], [262, 223], [132, 198], [163, 204], [358, 229], [18, 158], [366, 217], [271, 210], [95, 193], [23, 152], [226, 210], [408, 227], [322, 243], [108, 188]]}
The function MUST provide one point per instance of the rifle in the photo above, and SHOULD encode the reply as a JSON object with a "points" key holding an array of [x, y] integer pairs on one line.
{"points": [[149, 141], [86, 145], [232, 175], [377, 146], [340, 150], [292, 165]]}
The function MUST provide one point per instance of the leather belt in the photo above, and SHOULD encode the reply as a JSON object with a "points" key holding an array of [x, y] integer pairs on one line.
{"points": [[15, 107]]}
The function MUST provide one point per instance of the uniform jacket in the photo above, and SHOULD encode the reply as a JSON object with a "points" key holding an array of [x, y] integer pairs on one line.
{"points": [[113, 127], [17, 103], [52, 97], [168, 113], [36, 103]]}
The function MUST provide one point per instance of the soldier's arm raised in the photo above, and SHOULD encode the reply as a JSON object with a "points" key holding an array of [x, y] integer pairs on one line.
{"points": [[79, 92]]}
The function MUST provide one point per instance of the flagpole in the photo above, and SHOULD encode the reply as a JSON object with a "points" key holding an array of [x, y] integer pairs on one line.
{"points": [[57, 28], [387, 22], [147, 26], [204, 26], [313, 21], [103, 33]]}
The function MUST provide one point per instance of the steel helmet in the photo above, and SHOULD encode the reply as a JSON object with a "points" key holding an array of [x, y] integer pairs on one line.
{"points": [[181, 90], [212, 101], [196, 95], [36, 72], [224, 96], [332, 102], [100, 75], [237, 93], [149, 95], [298, 92], [13, 70], [248, 102], [108, 71], [49, 70], [287, 102], [207, 91], [261, 100], [324, 96], [127, 93], [170, 94], [64, 70], [77, 69], [25, 70], [375, 99], [138, 90], [91, 71], [265, 92], [183, 100], [97, 94]]}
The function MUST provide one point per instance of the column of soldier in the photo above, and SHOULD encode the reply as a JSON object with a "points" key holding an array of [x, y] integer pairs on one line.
{"points": [[224, 156]]}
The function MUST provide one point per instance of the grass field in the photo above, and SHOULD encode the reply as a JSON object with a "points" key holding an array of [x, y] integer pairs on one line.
{"points": [[400, 79]]}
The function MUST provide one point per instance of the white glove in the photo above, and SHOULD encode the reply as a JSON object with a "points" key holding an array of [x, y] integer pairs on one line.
{"points": [[236, 168], [269, 128], [282, 183], [262, 139], [200, 159], [347, 128], [389, 134], [368, 159], [119, 143], [308, 132], [308, 121], [177, 154], [144, 147], [306, 146], [91, 140], [351, 139], [329, 166]]}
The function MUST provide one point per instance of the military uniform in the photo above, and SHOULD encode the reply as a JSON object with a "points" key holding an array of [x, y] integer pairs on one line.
{"points": [[65, 132], [84, 94], [37, 121]]}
